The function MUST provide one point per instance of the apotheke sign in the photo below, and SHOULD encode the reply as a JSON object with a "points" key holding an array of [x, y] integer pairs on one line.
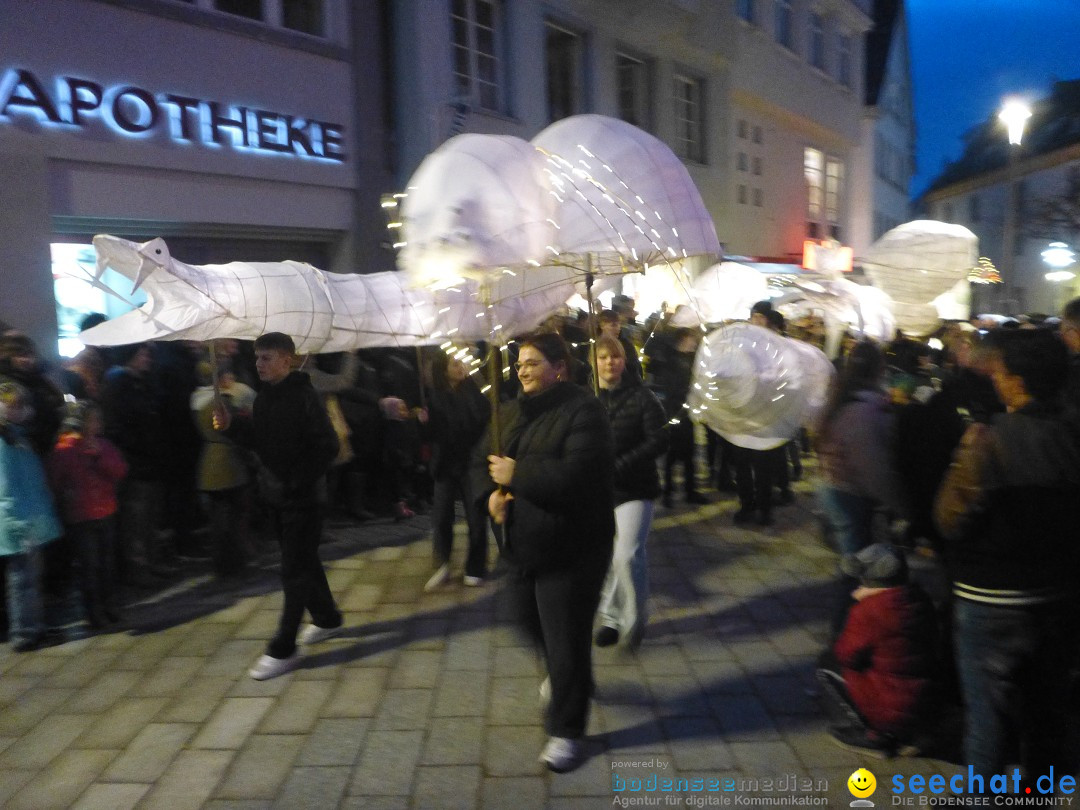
{"points": [[133, 112]]}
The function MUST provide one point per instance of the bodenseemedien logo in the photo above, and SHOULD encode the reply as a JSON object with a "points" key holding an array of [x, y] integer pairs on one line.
{"points": [[862, 785]]}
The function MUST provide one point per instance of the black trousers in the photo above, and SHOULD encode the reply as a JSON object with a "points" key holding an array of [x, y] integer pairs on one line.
{"points": [[680, 451], [446, 491], [228, 510], [299, 530], [556, 609], [94, 545], [754, 474]]}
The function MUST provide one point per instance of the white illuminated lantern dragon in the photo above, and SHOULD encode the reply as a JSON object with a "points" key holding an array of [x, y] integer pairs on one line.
{"points": [[323, 312]]}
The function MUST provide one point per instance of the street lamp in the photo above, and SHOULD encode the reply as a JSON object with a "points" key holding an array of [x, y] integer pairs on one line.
{"points": [[1014, 114]]}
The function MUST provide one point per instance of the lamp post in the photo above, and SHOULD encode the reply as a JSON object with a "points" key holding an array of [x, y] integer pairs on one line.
{"points": [[1014, 114]]}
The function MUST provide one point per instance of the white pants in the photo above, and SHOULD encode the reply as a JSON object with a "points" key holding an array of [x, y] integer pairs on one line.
{"points": [[626, 589]]}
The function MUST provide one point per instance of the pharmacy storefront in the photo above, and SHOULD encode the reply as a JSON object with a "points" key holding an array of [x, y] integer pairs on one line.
{"points": [[229, 141]]}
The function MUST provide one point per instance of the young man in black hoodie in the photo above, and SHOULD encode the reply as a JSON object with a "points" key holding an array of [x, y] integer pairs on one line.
{"points": [[292, 436]]}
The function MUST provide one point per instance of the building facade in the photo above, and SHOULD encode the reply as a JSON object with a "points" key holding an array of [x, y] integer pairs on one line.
{"points": [[235, 130], [762, 99], [1000, 192], [887, 155]]}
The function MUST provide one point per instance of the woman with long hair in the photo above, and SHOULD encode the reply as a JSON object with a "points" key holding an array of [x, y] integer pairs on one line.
{"points": [[549, 486], [637, 426], [855, 446]]}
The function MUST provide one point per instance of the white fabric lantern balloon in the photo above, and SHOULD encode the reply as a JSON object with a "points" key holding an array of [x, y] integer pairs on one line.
{"points": [[915, 263], [726, 291], [622, 193], [757, 388], [476, 204]]}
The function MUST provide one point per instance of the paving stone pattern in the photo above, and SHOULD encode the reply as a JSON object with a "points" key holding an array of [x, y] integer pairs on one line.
{"points": [[430, 700]]}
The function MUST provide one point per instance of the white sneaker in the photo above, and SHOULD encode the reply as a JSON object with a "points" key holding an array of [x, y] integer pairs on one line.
{"points": [[269, 667], [313, 634], [472, 582], [439, 578], [562, 754]]}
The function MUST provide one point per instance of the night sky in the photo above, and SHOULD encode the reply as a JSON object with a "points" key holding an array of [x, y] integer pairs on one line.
{"points": [[967, 55]]}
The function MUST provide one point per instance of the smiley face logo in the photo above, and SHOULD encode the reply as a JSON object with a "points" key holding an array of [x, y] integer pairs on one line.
{"points": [[862, 783]]}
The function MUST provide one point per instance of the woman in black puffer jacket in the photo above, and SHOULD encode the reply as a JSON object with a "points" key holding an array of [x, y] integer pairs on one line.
{"points": [[550, 486], [638, 426]]}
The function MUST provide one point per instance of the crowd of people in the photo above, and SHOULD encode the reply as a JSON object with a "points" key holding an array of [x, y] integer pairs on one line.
{"points": [[131, 461]]}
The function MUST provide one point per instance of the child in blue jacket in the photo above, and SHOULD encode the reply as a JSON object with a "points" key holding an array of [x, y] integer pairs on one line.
{"points": [[27, 518]]}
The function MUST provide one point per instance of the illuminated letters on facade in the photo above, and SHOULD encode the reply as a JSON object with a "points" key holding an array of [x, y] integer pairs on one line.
{"points": [[137, 113]]}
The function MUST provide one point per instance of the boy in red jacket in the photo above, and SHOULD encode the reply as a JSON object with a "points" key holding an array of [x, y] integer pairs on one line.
{"points": [[879, 678], [85, 470]]}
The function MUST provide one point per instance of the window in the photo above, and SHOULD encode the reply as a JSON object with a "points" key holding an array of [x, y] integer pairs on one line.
{"points": [[881, 168], [745, 10], [744, 162], [843, 56], [757, 165], [817, 41], [757, 137], [743, 129], [742, 195], [757, 197], [305, 16], [834, 186], [814, 172], [689, 119], [564, 52], [634, 84], [784, 33], [475, 33], [252, 9]]}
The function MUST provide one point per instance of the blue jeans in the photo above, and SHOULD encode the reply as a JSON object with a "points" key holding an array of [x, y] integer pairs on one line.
{"points": [[626, 589], [850, 516], [1014, 667], [851, 519], [25, 608]]}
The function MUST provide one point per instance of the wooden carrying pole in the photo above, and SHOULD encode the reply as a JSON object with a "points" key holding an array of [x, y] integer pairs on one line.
{"points": [[494, 367], [589, 279]]}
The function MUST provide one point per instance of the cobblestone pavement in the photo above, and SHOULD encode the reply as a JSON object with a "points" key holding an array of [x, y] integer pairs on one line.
{"points": [[429, 700]]}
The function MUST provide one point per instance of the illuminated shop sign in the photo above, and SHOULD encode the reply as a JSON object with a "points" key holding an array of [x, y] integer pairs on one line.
{"points": [[132, 112]]}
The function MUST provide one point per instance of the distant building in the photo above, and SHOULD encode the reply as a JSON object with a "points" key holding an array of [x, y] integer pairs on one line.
{"points": [[974, 191], [887, 153]]}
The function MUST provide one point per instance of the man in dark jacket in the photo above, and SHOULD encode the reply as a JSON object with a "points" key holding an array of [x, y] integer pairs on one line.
{"points": [[1008, 510], [129, 404], [295, 442], [678, 375]]}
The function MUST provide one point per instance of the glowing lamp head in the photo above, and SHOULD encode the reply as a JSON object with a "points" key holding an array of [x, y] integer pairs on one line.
{"points": [[1014, 116]]}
